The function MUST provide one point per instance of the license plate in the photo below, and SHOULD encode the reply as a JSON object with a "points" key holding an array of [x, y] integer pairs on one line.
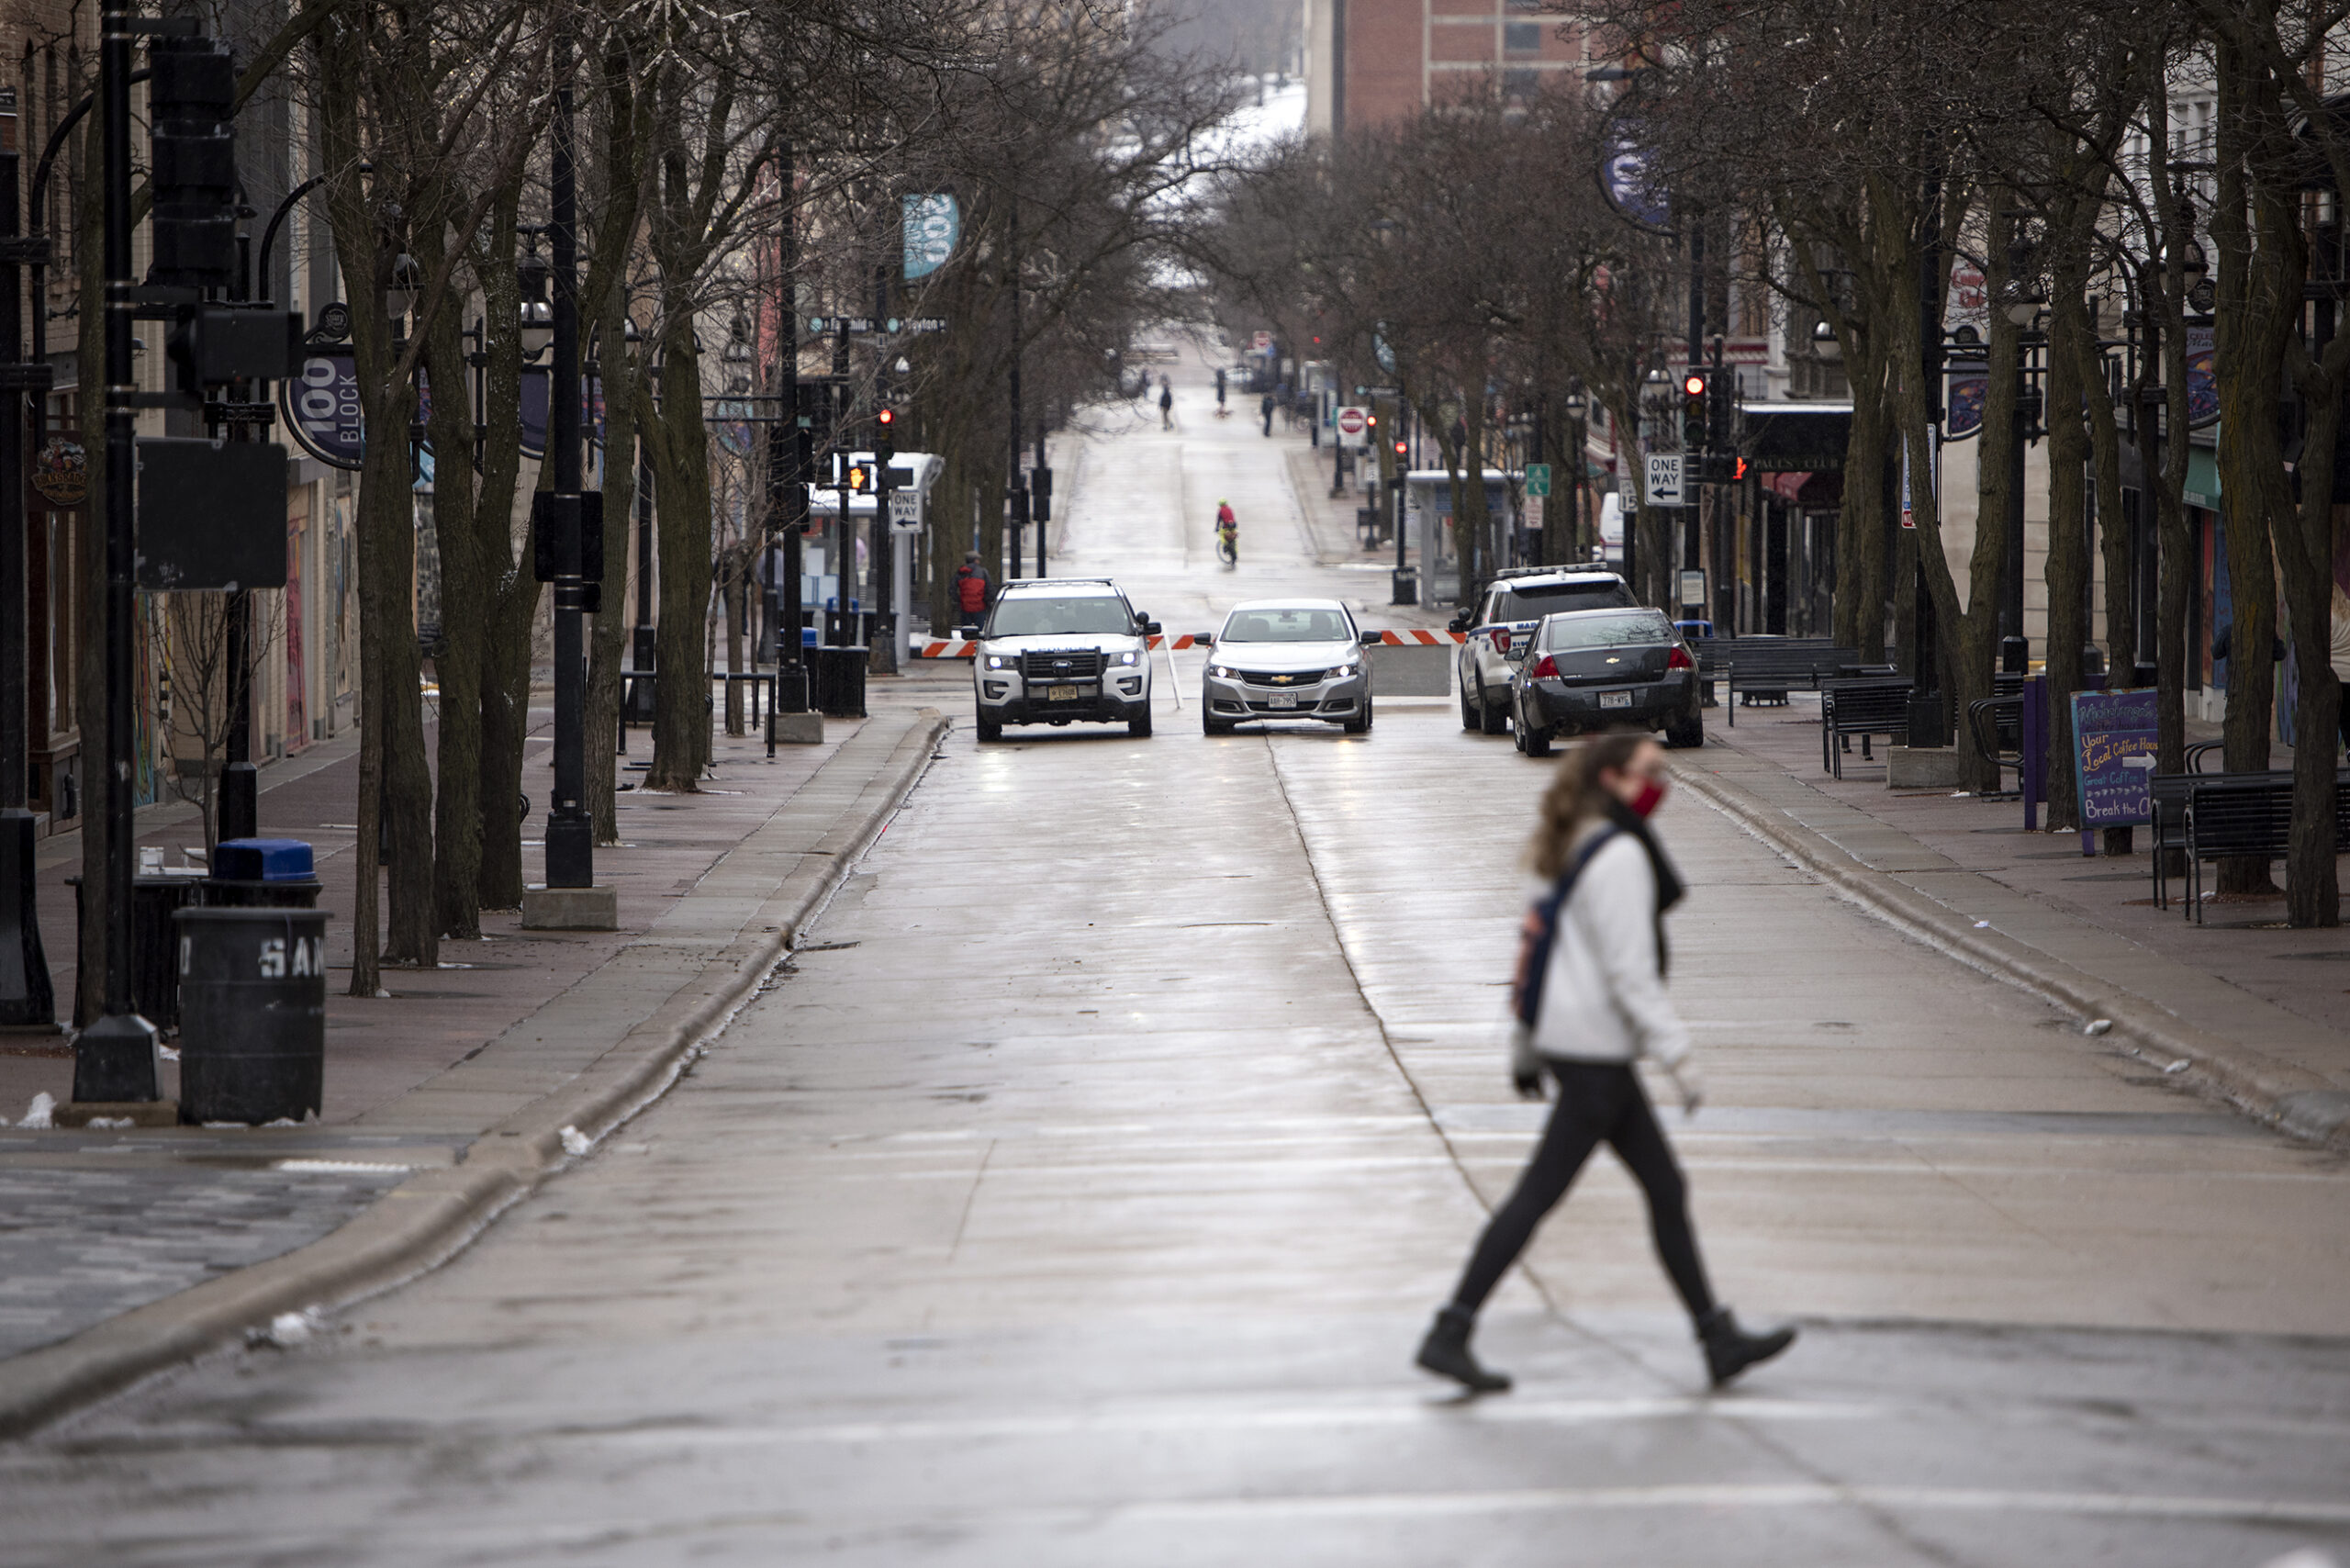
{"points": [[1615, 700], [1285, 700], [1060, 694]]}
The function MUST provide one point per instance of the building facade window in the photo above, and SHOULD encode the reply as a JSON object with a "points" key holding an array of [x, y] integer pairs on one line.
{"points": [[1522, 38]]}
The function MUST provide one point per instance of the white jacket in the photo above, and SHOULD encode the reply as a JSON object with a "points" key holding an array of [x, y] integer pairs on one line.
{"points": [[1602, 997]]}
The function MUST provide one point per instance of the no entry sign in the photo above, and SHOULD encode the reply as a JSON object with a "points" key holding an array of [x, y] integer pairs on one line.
{"points": [[1352, 422]]}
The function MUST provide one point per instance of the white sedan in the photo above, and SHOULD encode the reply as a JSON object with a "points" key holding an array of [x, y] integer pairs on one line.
{"points": [[1287, 659]]}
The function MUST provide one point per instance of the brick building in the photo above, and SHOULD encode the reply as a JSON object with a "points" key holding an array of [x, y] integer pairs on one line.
{"points": [[1373, 63]]}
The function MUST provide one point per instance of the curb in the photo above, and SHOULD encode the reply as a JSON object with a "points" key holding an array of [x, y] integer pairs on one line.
{"points": [[426, 1220], [2293, 1101]]}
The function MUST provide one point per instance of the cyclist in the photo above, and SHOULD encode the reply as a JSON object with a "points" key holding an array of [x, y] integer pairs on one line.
{"points": [[1228, 531]]}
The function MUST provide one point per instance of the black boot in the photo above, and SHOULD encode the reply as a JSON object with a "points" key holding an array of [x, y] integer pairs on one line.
{"points": [[1446, 1353], [1729, 1350]]}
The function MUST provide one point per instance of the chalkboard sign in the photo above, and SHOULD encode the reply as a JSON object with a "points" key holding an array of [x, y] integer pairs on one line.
{"points": [[2113, 745]]}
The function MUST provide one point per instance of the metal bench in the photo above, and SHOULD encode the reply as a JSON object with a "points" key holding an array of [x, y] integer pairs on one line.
{"points": [[2247, 815], [1763, 670], [1995, 725], [1867, 707]]}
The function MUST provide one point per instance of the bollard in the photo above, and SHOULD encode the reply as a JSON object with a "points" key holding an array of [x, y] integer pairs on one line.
{"points": [[253, 1013]]}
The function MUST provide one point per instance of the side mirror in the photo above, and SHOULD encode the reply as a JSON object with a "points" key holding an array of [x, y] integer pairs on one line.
{"points": [[1374, 639], [1150, 628], [1516, 653], [1204, 639], [1458, 624]]}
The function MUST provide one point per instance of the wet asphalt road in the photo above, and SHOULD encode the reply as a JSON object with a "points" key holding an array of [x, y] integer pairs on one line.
{"points": [[1079, 1198]]}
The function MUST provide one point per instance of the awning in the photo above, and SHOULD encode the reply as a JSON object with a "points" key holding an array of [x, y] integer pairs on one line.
{"points": [[1792, 438]]}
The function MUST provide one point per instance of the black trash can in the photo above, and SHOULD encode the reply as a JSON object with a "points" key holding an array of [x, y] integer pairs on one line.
{"points": [[253, 1013], [261, 873], [837, 679], [154, 981]]}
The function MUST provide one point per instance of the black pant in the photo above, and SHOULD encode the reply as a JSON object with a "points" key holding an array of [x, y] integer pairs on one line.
{"points": [[2345, 712], [1596, 1101]]}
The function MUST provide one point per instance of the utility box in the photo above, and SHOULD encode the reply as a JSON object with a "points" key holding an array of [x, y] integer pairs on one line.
{"points": [[211, 515]]}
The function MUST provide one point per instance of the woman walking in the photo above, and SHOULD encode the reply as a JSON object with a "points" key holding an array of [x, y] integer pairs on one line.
{"points": [[1589, 999]]}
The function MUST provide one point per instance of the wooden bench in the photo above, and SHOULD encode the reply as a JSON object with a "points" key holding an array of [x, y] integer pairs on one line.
{"points": [[1765, 669], [2248, 816], [1875, 705]]}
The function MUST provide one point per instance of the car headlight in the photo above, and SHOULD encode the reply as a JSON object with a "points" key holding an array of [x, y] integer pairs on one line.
{"points": [[1002, 661], [1223, 672], [1349, 668], [1129, 656]]}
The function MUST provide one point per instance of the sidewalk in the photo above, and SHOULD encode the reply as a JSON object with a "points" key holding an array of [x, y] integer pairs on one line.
{"points": [[123, 1252], [2240, 1008]]}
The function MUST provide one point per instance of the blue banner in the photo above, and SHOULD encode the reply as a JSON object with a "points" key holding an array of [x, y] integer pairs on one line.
{"points": [[929, 226]]}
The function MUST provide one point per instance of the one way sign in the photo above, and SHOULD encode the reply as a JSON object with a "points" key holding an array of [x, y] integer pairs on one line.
{"points": [[1664, 479]]}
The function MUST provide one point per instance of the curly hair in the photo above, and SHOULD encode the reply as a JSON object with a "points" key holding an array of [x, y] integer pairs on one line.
{"points": [[1576, 796]]}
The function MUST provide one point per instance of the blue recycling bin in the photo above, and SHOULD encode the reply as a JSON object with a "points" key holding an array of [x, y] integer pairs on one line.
{"points": [[261, 873]]}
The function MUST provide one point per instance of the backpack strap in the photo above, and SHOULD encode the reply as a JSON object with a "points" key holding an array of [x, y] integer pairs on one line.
{"points": [[1540, 933]]}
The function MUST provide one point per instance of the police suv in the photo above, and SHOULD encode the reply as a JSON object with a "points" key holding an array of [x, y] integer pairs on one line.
{"points": [[1056, 650], [1513, 606]]}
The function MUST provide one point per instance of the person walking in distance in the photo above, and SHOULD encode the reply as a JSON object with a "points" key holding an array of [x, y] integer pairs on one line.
{"points": [[1165, 404], [1220, 409], [971, 590], [1588, 1000], [1266, 407]]}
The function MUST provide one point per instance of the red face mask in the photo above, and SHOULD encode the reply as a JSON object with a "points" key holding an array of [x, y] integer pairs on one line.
{"points": [[1651, 795]]}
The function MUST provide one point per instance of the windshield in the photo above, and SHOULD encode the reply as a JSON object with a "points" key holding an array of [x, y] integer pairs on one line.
{"points": [[1038, 615], [1634, 627], [1286, 626], [1533, 602]]}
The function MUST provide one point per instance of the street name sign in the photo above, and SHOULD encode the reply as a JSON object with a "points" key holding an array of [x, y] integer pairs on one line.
{"points": [[1664, 479]]}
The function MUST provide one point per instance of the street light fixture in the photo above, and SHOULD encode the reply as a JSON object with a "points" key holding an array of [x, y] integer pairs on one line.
{"points": [[406, 287], [538, 313]]}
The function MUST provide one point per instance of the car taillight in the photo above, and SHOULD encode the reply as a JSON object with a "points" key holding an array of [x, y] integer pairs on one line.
{"points": [[1679, 659], [1501, 642], [1546, 670]]}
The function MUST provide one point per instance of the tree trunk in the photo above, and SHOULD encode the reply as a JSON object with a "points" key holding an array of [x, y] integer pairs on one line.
{"points": [[2258, 305], [466, 586], [2068, 541], [2305, 539], [681, 481], [1860, 587], [608, 640]]}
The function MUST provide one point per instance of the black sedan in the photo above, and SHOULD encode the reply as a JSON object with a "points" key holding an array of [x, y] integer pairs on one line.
{"points": [[1591, 669]]}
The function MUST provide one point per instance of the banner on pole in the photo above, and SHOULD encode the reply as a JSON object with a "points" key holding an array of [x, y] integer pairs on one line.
{"points": [[929, 226]]}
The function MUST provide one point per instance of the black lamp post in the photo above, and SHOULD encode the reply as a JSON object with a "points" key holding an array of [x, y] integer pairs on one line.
{"points": [[114, 1058], [570, 833], [2022, 304]]}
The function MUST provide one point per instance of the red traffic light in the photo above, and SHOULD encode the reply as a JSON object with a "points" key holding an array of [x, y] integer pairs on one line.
{"points": [[1402, 447], [1693, 385], [888, 417]]}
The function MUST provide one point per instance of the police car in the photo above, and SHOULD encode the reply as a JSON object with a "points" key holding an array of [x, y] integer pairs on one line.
{"points": [[1512, 606]]}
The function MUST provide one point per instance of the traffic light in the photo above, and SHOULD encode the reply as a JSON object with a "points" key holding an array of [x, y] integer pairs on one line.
{"points": [[1695, 413], [1402, 448], [191, 88], [885, 436]]}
